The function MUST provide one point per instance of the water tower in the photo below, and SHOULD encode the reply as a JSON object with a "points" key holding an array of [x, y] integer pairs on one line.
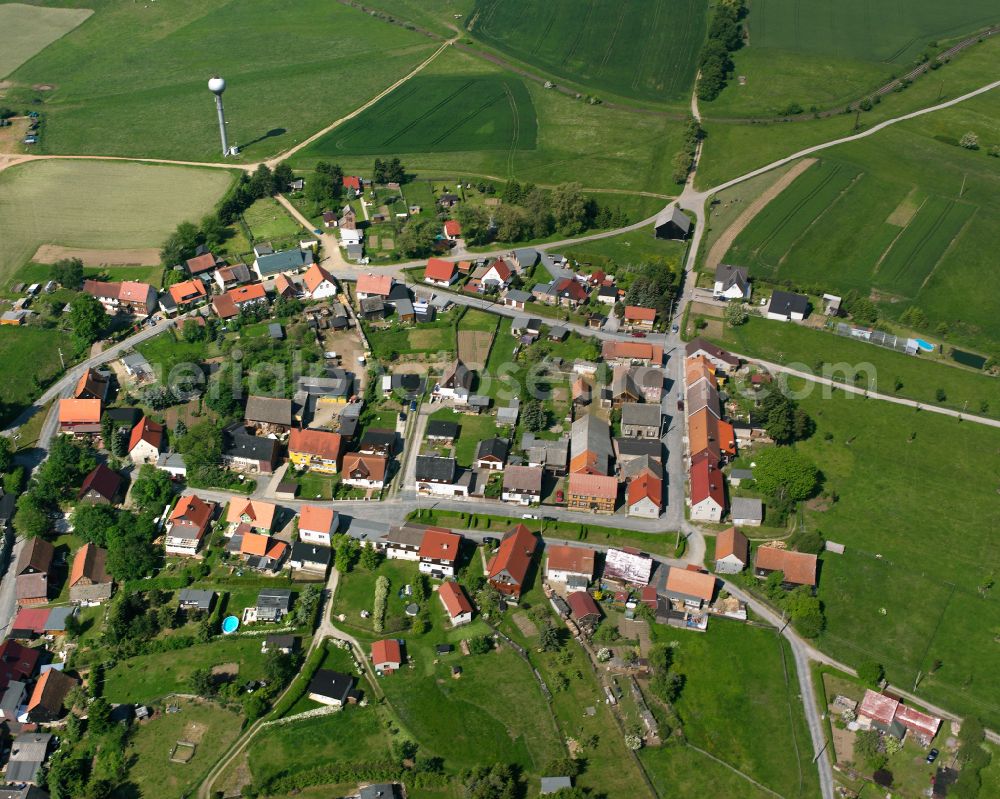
{"points": [[217, 86]]}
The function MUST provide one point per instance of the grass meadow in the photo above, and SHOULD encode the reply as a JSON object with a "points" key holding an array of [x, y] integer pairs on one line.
{"points": [[28, 354], [821, 54], [918, 510], [632, 49], [907, 216], [739, 681], [97, 204], [733, 148], [30, 29], [920, 376], [132, 80], [602, 148], [151, 774]]}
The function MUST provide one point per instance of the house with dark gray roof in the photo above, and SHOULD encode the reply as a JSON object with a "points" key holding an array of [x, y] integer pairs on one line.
{"points": [[439, 430], [330, 687], [27, 754], [731, 282], [285, 261], [243, 452], [786, 306], [641, 420], [671, 223], [492, 454], [270, 414]]}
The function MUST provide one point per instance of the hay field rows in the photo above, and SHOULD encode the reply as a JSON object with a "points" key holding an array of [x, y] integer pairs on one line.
{"points": [[908, 216], [642, 49], [440, 114], [98, 204]]}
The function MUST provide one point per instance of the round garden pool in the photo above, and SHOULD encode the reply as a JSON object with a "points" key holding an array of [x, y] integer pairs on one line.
{"points": [[229, 624]]}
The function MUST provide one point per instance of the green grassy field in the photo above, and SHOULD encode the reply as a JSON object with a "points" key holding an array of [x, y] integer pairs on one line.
{"points": [[98, 204], [633, 49], [732, 149], [439, 114], [813, 350], [355, 734], [430, 337], [132, 80], [818, 54], [736, 686], [30, 29], [443, 17], [476, 320], [906, 215], [29, 353], [603, 148], [267, 219], [919, 492], [472, 430], [147, 677], [151, 774]]}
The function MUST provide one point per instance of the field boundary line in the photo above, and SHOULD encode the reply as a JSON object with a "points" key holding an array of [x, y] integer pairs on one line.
{"points": [[902, 230], [388, 90], [727, 238], [732, 768], [815, 221], [947, 249]]}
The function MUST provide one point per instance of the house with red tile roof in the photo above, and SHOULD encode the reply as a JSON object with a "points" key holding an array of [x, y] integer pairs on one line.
{"points": [[571, 565], [129, 296], [261, 552], [583, 609], [456, 603], [644, 497], [188, 524], [371, 285], [228, 305], [732, 551], [353, 183], [693, 588], [318, 525], [593, 493], [508, 568], [46, 703], [364, 470], [797, 568], [316, 450], [440, 272], [17, 662], [188, 292], [319, 283], [92, 385], [146, 441], [707, 496], [89, 580], [32, 572], [387, 655], [200, 264], [439, 552], [452, 230], [638, 318], [80, 416], [497, 275], [629, 352], [258, 515]]}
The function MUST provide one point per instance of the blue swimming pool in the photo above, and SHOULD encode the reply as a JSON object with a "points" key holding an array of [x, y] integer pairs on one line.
{"points": [[924, 345], [229, 624]]}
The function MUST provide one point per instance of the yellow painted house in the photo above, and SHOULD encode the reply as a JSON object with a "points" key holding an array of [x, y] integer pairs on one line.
{"points": [[316, 450]]}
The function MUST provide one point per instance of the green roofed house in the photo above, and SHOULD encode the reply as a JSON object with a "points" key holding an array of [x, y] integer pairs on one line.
{"points": [[278, 262]]}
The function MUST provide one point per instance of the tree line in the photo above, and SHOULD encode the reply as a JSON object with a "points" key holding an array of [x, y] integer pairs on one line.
{"points": [[530, 212], [725, 36]]}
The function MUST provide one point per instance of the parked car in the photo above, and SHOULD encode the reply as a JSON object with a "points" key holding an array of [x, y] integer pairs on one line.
{"points": [[560, 496], [674, 328], [932, 755], [638, 334], [413, 406]]}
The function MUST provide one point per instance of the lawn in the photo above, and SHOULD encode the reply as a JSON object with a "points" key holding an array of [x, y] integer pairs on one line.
{"points": [[677, 770], [30, 354], [603, 148], [149, 677], [267, 220], [355, 734], [439, 114], [356, 592], [634, 247], [30, 29], [472, 430], [98, 205], [917, 510], [431, 338], [474, 319], [167, 51], [641, 50], [739, 681], [168, 352], [817, 54], [151, 774], [827, 354]]}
